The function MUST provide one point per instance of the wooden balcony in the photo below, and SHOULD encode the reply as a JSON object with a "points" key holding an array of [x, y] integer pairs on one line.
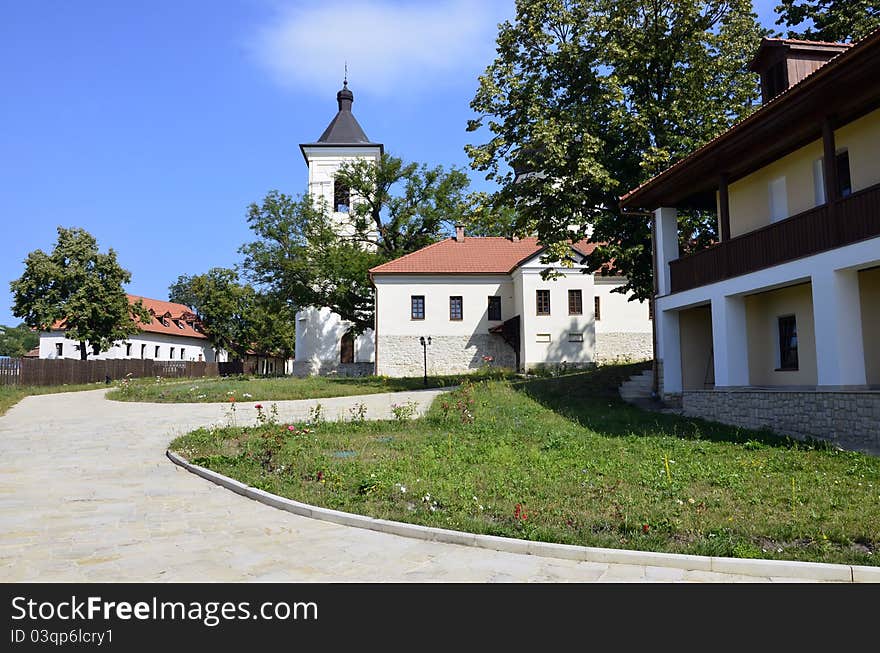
{"points": [[824, 227]]}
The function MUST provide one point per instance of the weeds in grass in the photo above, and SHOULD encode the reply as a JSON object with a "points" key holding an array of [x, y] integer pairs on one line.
{"points": [[404, 412]]}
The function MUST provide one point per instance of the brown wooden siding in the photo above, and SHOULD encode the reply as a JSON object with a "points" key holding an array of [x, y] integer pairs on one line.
{"points": [[822, 228]]}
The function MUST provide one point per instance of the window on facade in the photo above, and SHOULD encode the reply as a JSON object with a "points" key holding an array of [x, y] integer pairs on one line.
{"points": [[182, 349], [128, 349], [341, 197], [156, 354], [163, 321], [788, 350], [778, 200], [542, 337], [96, 349], [775, 79], [455, 308], [171, 353], [59, 348], [818, 182], [575, 337], [542, 302], [844, 181], [417, 307], [346, 348], [495, 308], [575, 302], [597, 309], [143, 351]]}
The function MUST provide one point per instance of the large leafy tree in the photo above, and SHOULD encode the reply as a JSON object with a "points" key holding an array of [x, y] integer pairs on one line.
{"points": [[829, 20], [304, 253], [80, 285], [592, 97], [236, 317], [17, 341]]}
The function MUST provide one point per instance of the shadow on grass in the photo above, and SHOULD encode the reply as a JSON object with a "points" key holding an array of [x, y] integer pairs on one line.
{"points": [[591, 399]]}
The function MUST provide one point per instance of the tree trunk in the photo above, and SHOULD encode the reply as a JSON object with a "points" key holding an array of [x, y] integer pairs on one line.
{"points": [[83, 353]]}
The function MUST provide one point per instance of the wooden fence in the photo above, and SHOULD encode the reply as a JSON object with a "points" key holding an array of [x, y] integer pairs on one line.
{"points": [[68, 371]]}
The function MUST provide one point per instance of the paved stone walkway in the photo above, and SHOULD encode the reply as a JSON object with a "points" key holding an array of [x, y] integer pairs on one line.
{"points": [[87, 494]]}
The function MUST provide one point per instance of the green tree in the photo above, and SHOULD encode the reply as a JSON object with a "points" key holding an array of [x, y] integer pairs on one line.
{"points": [[221, 304], [303, 254], [82, 287], [17, 341], [828, 20], [593, 97]]}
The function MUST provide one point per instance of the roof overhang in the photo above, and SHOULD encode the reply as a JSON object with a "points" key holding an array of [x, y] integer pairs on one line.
{"points": [[842, 90], [339, 146]]}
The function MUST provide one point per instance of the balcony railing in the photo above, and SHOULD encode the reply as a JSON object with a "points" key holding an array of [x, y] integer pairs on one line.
{"points": [[822, 228]]}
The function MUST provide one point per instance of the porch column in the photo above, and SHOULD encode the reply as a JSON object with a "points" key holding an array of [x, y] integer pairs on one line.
{"points": [[670, 350], [729, 341], [666, 230], [837, 314]]}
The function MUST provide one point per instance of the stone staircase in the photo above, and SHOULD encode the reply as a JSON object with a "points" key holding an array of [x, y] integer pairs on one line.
{"points": [[637, 390]]}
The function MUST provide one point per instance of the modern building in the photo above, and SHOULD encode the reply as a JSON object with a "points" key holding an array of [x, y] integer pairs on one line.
{"points": [[475, 302], [776, 325], [324, 342], [173, 334]]}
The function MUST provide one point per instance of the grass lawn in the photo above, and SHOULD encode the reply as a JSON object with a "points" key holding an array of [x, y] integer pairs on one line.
{"points": [[564, 460], [12, 394], [244, 388]]}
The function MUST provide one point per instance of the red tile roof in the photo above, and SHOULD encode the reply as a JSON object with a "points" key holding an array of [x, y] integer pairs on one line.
{"points": [[186, 319], [473, 255]]}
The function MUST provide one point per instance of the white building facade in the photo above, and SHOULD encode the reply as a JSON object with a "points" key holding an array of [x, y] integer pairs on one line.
{"points": [[483, 302], [173, 334], [776, 325], [324, 341]]}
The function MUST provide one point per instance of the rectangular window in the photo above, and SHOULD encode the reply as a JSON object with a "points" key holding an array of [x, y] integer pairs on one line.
{"points": [[575, 337], [128, 349], [181, 353], [171, 353], [341, 197], [788, 352], [143, 351], [818, 182], [96, 350], [575, 302], [495, 308], [456, 311], [156, 355], [542, 301], [59, 348], [542, 337], [597, 309], [844, 181], [778, 200], [417, 307]]}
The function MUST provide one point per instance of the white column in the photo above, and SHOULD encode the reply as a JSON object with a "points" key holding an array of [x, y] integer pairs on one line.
{"points": [[670, 347], [667, 245], [729, 342], [837, 315]]}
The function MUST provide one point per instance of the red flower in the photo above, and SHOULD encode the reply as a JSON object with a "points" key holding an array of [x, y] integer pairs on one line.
{"points": [[645, 528], [259, 406], [320, 476], [232, 399]]}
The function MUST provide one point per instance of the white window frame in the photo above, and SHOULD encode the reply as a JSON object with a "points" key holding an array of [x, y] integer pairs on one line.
{"points": [[778, 196]]}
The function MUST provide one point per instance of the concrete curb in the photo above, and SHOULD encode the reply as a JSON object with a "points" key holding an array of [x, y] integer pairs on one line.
{"points": [[782, 569]]}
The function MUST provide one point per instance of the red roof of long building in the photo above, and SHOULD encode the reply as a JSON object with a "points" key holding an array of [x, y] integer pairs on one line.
{"points": [[179, 319], [473, 255]]}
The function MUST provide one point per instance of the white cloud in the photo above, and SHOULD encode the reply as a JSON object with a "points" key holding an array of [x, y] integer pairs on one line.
{"points": [[389, 46]]}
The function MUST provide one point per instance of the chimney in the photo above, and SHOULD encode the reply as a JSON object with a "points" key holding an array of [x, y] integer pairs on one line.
{"points": [[782, 63], [459, 233]]}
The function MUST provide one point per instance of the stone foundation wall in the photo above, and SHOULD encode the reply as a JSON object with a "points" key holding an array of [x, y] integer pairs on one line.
{"points": [[403, 355], [623, 347], [316, 367], [849, 419]]}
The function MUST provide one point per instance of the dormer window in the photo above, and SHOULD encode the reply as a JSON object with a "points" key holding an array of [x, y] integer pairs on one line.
{"points": [[775, 79]]}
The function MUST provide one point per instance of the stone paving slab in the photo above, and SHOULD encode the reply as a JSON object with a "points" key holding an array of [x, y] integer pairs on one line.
{"points": [[87, 494]]}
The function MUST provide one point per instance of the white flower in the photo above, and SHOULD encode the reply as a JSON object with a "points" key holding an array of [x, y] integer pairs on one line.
{"points": [[480, 507], [403, 489], [679, 502], [247, 395]]}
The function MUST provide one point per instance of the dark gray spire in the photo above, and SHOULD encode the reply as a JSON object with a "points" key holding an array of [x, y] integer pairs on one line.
{"points": [[345, 98]]}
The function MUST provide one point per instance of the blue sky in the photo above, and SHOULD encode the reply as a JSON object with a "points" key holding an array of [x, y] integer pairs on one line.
{"points": [[153, 125]]}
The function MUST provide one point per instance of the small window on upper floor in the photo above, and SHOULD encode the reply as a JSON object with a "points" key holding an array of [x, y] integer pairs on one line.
{"points": [[778, 200], [171, 353], [494, 308], [156, 354], [59, 348], [542, 302], [182, 349], [575, 302], [818, 182], [456, 311], [417, 307], [96, 349], [128, 349], [775, 80], [341, 197]]}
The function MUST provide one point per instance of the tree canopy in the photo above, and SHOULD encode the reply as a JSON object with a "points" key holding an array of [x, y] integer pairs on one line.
{"points": [[17, 341], [592, 97], [829, 20], [236, 317], [303, 253], [80, 285]]}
